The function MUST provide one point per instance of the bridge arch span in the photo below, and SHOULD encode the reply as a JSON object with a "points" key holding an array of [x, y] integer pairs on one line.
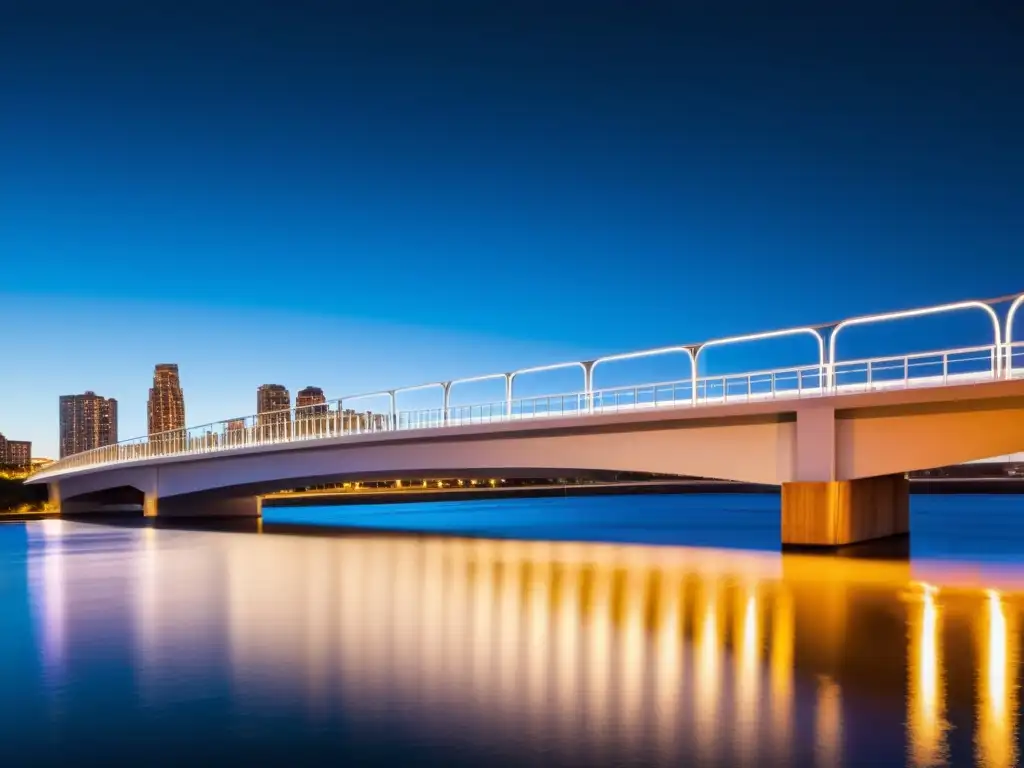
{"points": [[757, 448]]}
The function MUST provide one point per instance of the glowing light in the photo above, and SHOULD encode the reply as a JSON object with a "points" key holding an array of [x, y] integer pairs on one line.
{"points": [[995, 732], [828, 722], [763, 337], [639, 355], [926, 691], [708, 682], [472, 379], [748, 676], [1011, 314], [783, 641], [922, 312], [670, 668], [996, 655]]}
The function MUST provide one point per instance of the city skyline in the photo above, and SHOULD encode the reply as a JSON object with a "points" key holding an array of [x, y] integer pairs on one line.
{"points": [[570, 185]]}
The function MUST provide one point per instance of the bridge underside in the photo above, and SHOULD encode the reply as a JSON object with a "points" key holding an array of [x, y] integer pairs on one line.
{"points": [[247, 501], [130, 500]]}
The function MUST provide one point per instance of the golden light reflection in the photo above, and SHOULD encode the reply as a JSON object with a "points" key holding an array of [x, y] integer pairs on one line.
{"points": [[669, 670], [579, 647], [996, 727], [632, 659], [828, 724], [926, 690], [748, 701], [781, 670], [708, 653], [590, 652]]}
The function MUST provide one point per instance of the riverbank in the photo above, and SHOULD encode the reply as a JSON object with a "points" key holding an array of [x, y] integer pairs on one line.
{"points": [[398, 496], [18, 500], [419, 495], [21, 516]]}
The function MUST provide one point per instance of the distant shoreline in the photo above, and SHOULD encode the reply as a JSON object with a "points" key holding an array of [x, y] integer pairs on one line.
{"points": [[923, 486]]}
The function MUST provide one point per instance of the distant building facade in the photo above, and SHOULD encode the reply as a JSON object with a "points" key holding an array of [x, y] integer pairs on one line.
{"points": [[19, 454], [166, 406], [87, 421], [311, 397], [273, 407], [310, 411], [15, 454], [234, 433], [367, 421]]}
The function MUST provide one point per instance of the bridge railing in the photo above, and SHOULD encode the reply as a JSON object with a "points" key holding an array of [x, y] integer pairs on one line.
{"points": [[331, 420], [1014, 361]]}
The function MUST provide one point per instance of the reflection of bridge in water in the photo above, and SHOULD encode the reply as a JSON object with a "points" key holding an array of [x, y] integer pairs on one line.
{"points": [[593, 653]]}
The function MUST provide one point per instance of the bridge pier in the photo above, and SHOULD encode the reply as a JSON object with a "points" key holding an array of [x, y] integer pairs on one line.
{"points": [[837, 513], [202, 506], [820, 511]]}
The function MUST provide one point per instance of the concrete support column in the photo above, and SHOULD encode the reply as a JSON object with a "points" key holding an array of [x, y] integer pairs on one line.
{"points": [[53, 493], [841, 512], [820, 511], [199, 506]]}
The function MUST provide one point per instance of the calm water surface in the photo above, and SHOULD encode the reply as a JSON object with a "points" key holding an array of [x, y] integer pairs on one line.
{"points": [[683, 639]]}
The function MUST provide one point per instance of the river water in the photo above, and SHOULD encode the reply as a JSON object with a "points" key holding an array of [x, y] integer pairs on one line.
{"points": [[658, 630]]}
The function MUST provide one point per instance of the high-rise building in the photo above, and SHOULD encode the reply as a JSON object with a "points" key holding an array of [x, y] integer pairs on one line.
{"points": [[19, 454], [166, 408], [310, 411], [235, 432], [15, 454], [271, 398], [273, 406], [87, 421], [309, 397]]}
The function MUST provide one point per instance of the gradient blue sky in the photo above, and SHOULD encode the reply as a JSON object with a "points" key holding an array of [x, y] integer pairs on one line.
{"points": [[366, 196]]}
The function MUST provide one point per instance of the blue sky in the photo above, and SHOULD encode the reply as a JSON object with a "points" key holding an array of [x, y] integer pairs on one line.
{"points": [[311, 194]]}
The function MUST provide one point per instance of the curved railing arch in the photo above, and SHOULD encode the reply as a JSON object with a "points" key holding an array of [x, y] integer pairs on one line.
{"points": [[541, 369], [908, 313], [686, 349], [472, 379], [759, 337], [1008, 336], [390, 393]]}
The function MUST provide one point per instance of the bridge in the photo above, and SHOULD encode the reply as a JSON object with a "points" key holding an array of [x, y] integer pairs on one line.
{"points": [[837, 435]]}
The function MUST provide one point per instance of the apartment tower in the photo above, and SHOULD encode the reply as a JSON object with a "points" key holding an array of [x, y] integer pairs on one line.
{"points": [[273, 407], [87, 421], [166, 409], [310, 408]]}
